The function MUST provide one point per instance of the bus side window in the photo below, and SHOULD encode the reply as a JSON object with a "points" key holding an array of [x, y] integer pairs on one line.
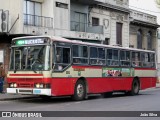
{"points": [[80, 54], [62, 58], [58, 55], [125, 58], [113, 57], [66, 55], [136, 59], [152, 60]]}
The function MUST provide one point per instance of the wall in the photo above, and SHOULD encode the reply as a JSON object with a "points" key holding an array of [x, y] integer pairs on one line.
{"points": [[145, 30], [15, 8]]}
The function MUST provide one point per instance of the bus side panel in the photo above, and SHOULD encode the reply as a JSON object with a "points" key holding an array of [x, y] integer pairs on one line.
{"points": [[62, 86], [147, 82], [128, 83], [100, 85]]}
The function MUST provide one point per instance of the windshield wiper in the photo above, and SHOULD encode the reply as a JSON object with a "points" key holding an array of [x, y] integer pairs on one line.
{"points": [[34, 70], [15, 70]]}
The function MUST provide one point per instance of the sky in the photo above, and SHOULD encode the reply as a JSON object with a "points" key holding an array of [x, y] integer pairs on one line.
{"points": [[147, 6]]}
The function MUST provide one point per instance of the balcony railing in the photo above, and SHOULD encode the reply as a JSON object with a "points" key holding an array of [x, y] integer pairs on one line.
{"points": [[86, 27], [38, 21]]}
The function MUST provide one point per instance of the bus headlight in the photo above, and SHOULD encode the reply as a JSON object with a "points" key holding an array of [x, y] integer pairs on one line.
{"points": [[11, 85], [15, 85], [41, 85], [37, 85]]}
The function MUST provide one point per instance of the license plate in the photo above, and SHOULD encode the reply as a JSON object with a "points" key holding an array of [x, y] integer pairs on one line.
{"points": [[37, 91]]}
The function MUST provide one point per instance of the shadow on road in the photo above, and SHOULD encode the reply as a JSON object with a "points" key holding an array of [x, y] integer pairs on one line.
{"points": [[67, 99]]}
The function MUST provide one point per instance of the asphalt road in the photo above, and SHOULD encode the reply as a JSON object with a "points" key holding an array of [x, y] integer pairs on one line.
{"points": [[148, 100]]}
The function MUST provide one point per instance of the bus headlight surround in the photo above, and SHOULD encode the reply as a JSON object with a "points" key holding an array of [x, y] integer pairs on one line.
{"points": [[13, 85], [39, 85]]}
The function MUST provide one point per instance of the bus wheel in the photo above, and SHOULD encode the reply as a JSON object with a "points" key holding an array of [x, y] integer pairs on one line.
{"points": [[135, 88], [79, 91], [107, 94]]}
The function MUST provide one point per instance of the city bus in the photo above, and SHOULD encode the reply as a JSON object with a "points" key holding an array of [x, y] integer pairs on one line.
{"points": [[53, 66]]}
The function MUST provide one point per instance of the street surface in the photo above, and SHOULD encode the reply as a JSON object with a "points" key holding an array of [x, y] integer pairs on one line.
{"points": [[147, 100]]}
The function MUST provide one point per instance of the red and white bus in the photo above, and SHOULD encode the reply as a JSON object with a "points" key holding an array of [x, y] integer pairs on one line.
{"points": [[54, 66]]}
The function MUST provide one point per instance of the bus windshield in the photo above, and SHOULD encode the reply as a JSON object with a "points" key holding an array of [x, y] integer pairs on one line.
{"points": [[30, 58]]}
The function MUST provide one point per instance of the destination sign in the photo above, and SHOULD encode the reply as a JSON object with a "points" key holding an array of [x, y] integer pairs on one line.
{"points": [[29, 42]]}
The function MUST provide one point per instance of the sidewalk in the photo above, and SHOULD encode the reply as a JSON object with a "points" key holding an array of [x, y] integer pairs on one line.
{"points": [[16, 97]]}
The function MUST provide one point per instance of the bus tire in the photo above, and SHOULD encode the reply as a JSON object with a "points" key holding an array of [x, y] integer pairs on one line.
{"points": [[107, 94], [79, 91], [135, 88]]}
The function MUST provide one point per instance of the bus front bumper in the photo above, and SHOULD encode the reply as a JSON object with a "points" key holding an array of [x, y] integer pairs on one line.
{"points": [[29, 91]]}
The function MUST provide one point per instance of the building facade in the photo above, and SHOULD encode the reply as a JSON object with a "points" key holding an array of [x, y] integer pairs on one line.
{"points": [[98, 21]]}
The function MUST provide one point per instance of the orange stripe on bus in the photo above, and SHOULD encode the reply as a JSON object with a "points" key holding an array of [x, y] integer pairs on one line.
{"points": [[25, 74]]}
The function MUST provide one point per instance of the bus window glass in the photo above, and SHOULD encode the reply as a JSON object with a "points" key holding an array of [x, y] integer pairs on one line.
{"points": [[93, 55], [115, 54], [80, 54], [112, 57], [101, 52], [148, 60], [125, 58], [145, 59], [97, 56], [93, 52], [62, 58], [136, 59], [101, 56], [30, 58], [152, 59]]}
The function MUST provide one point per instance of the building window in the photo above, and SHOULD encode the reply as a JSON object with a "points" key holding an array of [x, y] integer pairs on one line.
{"points": [[149, 40], [119, 33], [95, 21], [139, 39], [62, 5], [33, 12], [79, 23]]}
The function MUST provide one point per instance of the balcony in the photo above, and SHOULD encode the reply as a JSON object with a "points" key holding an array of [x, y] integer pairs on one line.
{"points": [[37, 25], [38, 21], [137, 15], [85, 27]]}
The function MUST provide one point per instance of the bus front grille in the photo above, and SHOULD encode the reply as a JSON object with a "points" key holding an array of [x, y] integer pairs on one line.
{"points": [[25, 85]]}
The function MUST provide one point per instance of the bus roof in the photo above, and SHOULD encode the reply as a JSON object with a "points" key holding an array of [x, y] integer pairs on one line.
{"points": [[61, 39]]}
